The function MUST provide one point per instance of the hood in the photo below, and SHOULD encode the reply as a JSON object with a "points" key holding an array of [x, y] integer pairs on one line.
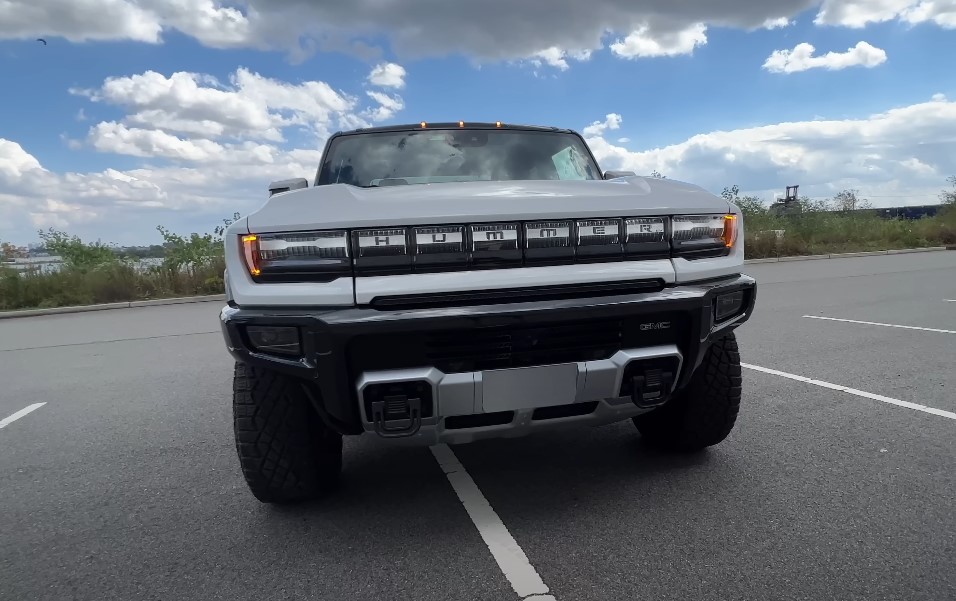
{"points": [[343, 206]]}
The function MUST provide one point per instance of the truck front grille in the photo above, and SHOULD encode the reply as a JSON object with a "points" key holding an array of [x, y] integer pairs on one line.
{"points": [[481, 348], [517, 347]]}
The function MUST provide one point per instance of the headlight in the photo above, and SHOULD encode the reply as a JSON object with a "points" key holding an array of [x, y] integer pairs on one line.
{"points": [[298, 256], [704, 235]]}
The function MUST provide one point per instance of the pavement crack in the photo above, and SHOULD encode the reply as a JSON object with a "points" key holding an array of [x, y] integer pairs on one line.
{"points": [[34, 348]]}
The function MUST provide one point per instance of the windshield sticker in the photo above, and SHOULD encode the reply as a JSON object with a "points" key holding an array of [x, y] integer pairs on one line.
{"points": [[570, 164]]}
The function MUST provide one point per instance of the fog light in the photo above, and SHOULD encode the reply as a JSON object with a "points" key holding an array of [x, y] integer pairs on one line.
{"points": [[728, 305], [275, 340]]}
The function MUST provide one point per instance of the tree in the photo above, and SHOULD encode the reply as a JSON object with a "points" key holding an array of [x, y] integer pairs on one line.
{"points": [[749, 205], [7, 251], [197, 250], [77, 254], [949, 196], [848, 200], [193, 252], [730, 193], [808, 205]]}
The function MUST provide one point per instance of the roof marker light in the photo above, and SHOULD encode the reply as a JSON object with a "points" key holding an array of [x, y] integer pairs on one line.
{"points": [[423, 125], [461, 124]]}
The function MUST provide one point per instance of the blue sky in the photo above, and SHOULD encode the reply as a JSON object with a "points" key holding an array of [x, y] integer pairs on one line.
{"points": [[687, 91]]}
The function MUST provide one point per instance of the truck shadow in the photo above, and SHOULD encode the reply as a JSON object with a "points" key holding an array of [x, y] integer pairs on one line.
{"points": [[395, 512], [398, 482]]}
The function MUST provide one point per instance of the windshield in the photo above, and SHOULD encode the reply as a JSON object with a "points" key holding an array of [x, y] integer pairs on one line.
{"points": [[458, 155]]}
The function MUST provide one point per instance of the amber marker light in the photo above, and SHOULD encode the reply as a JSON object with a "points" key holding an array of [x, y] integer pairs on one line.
{"points": [[730, 230], [250, 251]]}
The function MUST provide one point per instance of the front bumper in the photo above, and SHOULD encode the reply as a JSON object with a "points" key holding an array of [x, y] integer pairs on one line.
{"points": [[466, 358]]}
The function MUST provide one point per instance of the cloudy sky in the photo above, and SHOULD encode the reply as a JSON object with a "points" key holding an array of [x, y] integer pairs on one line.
{"points": [[137, 113]]}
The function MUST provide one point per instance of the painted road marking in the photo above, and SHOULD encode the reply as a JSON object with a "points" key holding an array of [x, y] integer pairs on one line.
{"points": [[854, 391], [885, 325], [511, 559], [9, 420]]}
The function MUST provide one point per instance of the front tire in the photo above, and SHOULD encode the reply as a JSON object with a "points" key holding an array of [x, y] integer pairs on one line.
{"points": [[285, 451], [704, 413]]}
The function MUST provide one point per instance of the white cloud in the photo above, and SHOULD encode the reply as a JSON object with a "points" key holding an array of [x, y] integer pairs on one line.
{"points": [[79, 20], [15, 161], [387, 106], [117, 138], [778, 23], [206, 149], [125, 206], [150, 143], [906, 149], [642, 42], [387, 75], [802, 58], [550, 31], [216, 26], [860, 13], [250, 107], [940, 12], [623, 140], [547, 31], [558, 57], [136, 20], [597, 128]]}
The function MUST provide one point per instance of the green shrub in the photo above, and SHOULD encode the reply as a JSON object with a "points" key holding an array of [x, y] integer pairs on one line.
{"points": [[94, 272]]}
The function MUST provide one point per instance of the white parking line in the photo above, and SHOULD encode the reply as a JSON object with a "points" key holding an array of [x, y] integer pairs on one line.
{"points": [[854, 391], [885, 325], [511, 559], [9, 420]]}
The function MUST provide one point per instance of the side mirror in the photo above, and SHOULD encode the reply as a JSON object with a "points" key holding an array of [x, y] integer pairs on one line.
{"points": [[287, 185], [614, 174]]}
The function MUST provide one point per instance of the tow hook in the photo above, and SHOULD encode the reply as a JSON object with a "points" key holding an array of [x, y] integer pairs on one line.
{"points": [[651, 388], [398, 408]]}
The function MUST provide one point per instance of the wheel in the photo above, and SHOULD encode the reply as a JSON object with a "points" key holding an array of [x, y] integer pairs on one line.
{"points": [[285, 451], [704, 413]]}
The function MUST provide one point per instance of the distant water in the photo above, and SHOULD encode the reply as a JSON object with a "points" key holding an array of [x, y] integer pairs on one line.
{"points": [[53, 264]]}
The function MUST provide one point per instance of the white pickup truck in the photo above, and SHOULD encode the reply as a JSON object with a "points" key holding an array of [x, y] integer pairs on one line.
{"points": [[456, 281]]}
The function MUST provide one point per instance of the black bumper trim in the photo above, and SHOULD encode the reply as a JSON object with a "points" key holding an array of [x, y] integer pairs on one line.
{"points": [[324, 366]]}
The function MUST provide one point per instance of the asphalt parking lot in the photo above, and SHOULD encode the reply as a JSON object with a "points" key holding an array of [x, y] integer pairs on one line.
{"points": [[124, 484]]}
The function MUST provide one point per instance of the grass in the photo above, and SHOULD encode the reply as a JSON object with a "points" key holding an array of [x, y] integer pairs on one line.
{"points": [[817, 233], [107, 283]]}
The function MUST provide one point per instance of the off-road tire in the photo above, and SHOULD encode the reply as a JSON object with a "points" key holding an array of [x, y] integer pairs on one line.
{"points": [[285, 451], [704, 413]]}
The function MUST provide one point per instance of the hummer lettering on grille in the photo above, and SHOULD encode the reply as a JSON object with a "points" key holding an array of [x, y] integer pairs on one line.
{"points": [[496, 235]]}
